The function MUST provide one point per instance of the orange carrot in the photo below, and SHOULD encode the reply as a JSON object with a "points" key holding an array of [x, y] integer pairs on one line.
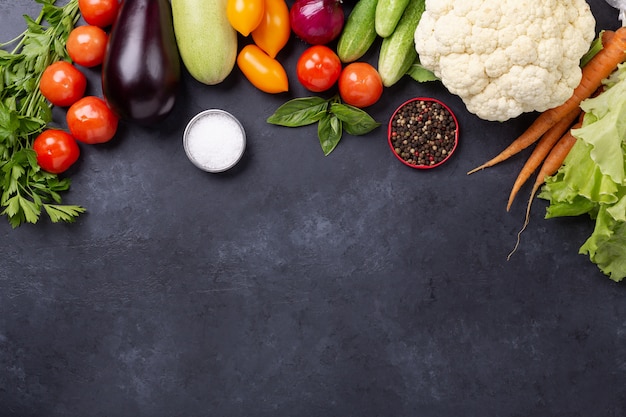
{"points": [[606, 36], [596, 70], [545, 144], [550, 166]]}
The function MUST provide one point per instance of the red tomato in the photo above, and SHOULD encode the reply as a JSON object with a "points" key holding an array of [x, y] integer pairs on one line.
{"points": [[56, 150], [62, 84], [360, 84], [101, 13], [91, 121], [318, 68], [86, 45]]}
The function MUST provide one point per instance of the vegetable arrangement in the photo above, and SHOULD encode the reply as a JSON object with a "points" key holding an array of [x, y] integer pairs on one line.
{"points": [[425, 39], [395, 21], [26, 189], [597, 69], [359, 84], [591, 180], [556, 132], [44, 69]]}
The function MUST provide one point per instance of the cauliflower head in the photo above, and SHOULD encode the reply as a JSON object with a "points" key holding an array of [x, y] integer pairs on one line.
{"points": [[506, 57]]}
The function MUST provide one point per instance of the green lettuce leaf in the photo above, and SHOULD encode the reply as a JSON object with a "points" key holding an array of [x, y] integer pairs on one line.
{"points": [[604, 129], [592, 180]]}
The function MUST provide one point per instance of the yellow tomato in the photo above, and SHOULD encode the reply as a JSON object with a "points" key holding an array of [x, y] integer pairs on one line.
{"points": [[263, 71], [274, 30], [245, 15]]}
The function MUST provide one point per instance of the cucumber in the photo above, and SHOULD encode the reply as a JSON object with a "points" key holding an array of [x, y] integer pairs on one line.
{"points": [[388, 14], [359, 33], [397, 51], [206, 40]]}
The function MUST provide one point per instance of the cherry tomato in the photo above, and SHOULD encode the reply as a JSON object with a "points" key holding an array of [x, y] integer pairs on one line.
{"points": [[62, 84], [360, 84], [56, 150], [318, 68], [86, 45], [273, 32], [245, 15], [91, 121], [264, 72], [101, 13]]}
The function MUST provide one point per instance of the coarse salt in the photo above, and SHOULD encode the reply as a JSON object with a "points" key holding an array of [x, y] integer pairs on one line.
{"points": [[214, 140]]}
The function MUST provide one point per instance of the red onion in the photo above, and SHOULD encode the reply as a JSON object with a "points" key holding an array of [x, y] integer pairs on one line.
{"points": [[317, 22]]}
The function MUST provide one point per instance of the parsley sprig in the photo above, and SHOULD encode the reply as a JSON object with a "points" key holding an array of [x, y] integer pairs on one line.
{"points": [[25, 189]]}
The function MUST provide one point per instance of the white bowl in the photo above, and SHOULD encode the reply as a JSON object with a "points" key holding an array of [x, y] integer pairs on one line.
{"points": [[214, 140]]}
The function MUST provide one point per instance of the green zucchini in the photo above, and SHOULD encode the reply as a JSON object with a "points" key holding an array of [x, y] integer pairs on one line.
{"points": [[206, 40], [397, 51], [359, 33], [388, 14]]}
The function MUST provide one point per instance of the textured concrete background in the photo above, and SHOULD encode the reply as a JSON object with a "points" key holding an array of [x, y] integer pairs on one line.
{"points": [[303, 285]]}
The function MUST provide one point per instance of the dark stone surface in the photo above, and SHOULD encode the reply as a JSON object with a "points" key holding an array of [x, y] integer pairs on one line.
{"points": [[303, 285]]}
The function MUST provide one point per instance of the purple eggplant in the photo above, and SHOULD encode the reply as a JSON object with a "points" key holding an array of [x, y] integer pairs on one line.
{"points": [[141, 71]]}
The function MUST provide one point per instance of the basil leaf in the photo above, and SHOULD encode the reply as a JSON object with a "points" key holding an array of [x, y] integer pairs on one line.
{"points": [[299, 112], [329, 132], [419, 73], [355, 121]]}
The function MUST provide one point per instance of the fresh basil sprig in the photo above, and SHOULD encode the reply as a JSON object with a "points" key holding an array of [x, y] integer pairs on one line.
{"points": [[332, 116]]}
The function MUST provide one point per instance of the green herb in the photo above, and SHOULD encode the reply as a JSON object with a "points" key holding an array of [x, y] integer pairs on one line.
{"points": [[25, 189], [329, 132], [419, 73], [300, 112], [355, 121], [332, 116]]}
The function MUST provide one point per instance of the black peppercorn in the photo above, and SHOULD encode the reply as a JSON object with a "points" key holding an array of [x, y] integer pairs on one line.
{"points": [[423, 132]]}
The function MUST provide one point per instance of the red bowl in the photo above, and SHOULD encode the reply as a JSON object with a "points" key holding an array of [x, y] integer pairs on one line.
{"points": [[430, 131]]}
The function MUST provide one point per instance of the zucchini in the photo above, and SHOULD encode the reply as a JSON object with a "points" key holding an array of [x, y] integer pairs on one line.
{"points": [[206, 40], [359, 33], [388, 14], [397, 51]]}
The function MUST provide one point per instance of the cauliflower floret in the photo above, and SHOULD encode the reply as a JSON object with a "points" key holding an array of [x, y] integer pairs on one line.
{"points": [[466, 72], [454, 37], [506, 57]]}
